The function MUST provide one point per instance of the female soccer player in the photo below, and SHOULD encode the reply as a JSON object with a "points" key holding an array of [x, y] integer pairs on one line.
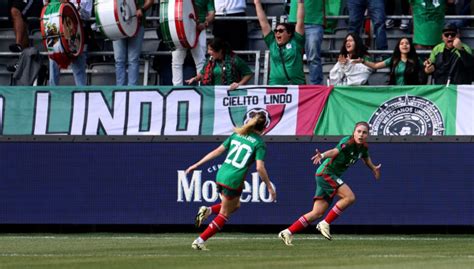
{"points": [[329, 184], [245, 146]]}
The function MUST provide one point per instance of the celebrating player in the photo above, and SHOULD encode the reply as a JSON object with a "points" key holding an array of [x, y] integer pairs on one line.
{"points": [[245, 146], [329, 184]]}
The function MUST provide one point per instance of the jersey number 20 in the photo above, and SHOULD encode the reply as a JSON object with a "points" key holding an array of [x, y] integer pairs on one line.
{"points": [[239, 154]]}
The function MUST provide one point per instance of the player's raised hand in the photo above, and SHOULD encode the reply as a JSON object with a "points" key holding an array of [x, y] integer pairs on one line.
{"points": [[377, 171], [317, 157]]}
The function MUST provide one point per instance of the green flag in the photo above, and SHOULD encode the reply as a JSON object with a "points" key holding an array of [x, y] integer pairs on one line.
{"points": [[397, 110]]}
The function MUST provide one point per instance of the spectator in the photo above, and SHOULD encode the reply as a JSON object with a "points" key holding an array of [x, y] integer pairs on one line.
{"points": [[405, 65], [223, 67], [376, 9], [78, 65], [233, 31], [127, 50], [286, 47], [313, 29], [450, 61], [205, 10], [390, 10], [428, 21], [459, 7], [18, 10], [349, 70]]}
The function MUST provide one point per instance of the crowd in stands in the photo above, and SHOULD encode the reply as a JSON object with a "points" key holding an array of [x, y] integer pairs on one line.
{"points": [[294, 45]]}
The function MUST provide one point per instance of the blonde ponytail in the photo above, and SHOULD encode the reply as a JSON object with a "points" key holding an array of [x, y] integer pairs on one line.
{"points": [[247, 127]]}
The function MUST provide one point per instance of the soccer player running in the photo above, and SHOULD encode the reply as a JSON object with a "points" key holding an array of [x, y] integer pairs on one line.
{"points": [[245, 146], [329, 184]]}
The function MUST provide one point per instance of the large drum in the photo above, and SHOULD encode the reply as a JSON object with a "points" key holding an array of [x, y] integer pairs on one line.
{"points": [[178, 23], [116, 19], [63, 34]]}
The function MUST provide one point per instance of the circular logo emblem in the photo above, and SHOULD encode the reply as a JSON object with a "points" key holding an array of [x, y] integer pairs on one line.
{"points": [[251, 113], [407, 115]]}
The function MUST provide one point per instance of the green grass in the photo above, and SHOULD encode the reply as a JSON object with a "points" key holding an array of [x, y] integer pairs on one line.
{"points": [[235, 250]]}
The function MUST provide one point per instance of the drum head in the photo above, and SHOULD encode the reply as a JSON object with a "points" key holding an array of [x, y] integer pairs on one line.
{"points": [[177, 23], [125, 15], [72, 33], [189, 37]]}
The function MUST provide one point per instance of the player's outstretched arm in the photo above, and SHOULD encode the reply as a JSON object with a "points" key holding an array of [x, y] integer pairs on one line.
{"points": [[211, 155], [375, 168], [262, 172], [318, 156]]}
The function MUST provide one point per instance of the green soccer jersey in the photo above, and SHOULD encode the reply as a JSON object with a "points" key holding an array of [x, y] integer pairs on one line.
{"points": [[428, 21], [243, 150], [349, 153], [400, 70], [202, 8], [315, 14], [292, 53]]}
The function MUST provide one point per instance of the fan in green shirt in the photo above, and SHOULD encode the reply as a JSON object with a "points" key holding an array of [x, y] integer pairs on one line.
{"points": [[428, 21], [286, 47], [406, 68], [223, 67], [244, 147]]}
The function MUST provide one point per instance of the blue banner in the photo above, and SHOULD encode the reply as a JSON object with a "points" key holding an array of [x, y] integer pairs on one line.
{"points": [[144, 183]]}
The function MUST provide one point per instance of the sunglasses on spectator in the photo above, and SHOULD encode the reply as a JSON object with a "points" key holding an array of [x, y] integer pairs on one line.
{"points": [[450, 34], [279, 30]]}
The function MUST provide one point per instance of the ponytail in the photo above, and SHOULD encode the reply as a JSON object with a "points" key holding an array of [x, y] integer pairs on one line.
{"points": [[255, 124]]}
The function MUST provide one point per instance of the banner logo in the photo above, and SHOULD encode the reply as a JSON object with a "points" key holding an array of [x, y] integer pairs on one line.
{"points": [[407, 115]]}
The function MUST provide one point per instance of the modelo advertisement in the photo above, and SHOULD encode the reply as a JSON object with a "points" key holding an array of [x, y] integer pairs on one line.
{"points": [[144, 183]]}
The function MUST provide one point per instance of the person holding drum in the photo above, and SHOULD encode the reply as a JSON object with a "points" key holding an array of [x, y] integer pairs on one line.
{"points": [[205, 12], [286, 45], [127, 50], [78, 64], [223, 67]]}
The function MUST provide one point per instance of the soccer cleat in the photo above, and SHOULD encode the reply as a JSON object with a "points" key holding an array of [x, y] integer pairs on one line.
{"points": [[198, 246], [286, 237], [323, 227], [202, 215]]}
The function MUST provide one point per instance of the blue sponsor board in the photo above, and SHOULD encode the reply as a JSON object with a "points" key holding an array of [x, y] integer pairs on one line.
{"points": [[144, 183]]}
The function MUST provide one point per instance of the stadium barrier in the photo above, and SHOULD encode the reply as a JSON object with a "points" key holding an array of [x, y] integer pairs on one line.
{"points": [[132, 183], [434, 110]]}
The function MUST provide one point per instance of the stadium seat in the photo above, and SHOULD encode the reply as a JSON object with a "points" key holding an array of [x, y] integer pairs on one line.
{"points": [[151, 41], [256, 41], [7, 37], [467, 36], [5, 76], [274, 7], [102, 74], [339, 35], [380, 77]]}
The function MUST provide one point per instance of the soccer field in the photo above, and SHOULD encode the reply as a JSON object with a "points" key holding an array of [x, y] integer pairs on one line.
{"points": [[235, 250]]}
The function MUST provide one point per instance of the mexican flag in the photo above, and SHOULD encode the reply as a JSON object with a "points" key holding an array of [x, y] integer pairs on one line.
{"points": [[292, 110], [400, 110]]}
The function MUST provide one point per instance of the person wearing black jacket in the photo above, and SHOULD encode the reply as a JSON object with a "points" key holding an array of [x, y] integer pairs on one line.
{"points": [[450, 61]]}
